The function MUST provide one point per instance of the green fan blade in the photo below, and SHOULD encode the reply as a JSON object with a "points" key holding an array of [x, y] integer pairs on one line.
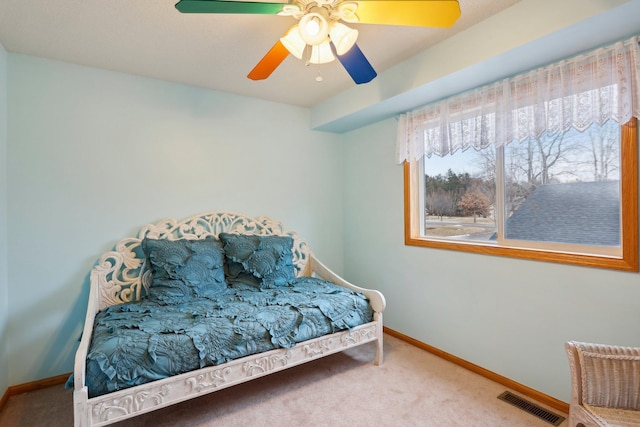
{"points": [[221, 6]]}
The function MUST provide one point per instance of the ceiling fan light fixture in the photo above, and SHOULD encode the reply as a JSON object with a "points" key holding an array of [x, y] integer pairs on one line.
{"points": [[343, 37], [320, 28], [321, 53], [293, 42]]}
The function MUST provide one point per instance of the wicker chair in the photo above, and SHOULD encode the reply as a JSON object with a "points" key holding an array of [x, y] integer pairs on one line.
{"points": [[605, 385]]}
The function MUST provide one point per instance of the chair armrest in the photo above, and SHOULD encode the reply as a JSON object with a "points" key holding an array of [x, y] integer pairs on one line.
{"points": [[605, 375], [80, 364], [576, 373], [376, 299]]}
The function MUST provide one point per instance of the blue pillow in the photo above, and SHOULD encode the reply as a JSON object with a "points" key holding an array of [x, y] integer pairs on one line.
{"points": [[185, 269], [261, 261]]}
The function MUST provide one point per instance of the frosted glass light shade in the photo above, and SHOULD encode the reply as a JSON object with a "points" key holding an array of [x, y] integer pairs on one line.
{"points": [[314, 28], [321, 54], [293, 42], [343, 37]]}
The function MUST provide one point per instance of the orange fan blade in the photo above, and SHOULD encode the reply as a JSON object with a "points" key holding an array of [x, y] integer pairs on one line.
{"points": [[421, 13], [270, 62]]}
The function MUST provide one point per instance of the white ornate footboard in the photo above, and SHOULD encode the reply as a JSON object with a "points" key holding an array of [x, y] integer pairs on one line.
{"points": [[122, 275]]}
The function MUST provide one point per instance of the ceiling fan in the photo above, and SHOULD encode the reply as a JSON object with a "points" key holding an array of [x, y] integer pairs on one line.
{"points": [[320, 37]]}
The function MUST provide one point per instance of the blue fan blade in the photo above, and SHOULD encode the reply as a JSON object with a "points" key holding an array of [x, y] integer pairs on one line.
{"points": [[356, 64]]}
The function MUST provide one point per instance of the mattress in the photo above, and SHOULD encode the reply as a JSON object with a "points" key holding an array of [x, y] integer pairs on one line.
{"points": [[143, 341]]}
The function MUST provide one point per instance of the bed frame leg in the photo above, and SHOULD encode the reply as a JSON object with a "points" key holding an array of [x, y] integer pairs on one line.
{"points": [[380, 342], [81, 418]]}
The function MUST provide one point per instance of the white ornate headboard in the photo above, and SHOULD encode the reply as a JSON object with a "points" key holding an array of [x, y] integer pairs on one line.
{"points": [[122, 275]]}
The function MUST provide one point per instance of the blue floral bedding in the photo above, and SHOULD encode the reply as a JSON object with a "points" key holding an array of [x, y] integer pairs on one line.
{"points": [[147, 340]]}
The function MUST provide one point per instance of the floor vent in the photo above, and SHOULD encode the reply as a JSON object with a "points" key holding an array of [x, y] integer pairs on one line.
{"points": [[531, 408]]}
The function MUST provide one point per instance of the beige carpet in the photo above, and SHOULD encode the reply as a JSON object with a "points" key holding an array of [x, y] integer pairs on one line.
{"points": [[411, 388]]}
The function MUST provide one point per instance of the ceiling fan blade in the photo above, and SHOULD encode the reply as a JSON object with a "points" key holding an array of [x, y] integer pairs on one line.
{"points": [[356, 64], [269, 62], [222, 6], [421, 13]]}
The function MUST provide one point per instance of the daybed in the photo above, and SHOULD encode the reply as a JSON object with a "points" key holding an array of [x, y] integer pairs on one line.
{"points": [[190, 307]]}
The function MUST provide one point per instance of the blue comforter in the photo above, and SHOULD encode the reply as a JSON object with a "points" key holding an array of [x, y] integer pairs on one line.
{"points": [[143, 341]]}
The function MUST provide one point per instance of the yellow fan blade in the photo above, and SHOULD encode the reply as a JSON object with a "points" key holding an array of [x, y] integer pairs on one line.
{"points": [[269, 62], [421, 13]]}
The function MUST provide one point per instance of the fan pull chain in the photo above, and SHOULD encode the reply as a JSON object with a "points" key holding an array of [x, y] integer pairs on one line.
{"points": [[307, 54], [307, 62]]}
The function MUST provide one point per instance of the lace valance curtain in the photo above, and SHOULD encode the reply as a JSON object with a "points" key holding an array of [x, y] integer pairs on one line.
{"points": [[592, 88]]}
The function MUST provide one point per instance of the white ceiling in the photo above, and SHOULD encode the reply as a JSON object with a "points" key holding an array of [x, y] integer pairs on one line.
{"points": [[151, 38]]}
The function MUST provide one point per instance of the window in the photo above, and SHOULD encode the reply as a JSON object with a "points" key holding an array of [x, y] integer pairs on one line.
{"points": [[565, 197], [543, 165]]}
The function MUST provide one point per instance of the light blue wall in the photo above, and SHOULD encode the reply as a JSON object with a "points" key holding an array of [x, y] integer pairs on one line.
{"points": [[4, 285], [97, 154], [509, 316]]}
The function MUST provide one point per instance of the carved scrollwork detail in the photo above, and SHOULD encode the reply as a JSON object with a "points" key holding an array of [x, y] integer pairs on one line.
{"points": [[358, 336], [265, 363], [318, 347], [117, 273], [130, 403], [122, 275], [212, 379]]}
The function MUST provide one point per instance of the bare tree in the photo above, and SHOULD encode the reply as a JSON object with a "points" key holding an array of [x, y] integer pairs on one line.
{"points": [[521, 164], [487, 174], [538, 160], [440, 203], [605, 152], [527, 164], [550, 150]]}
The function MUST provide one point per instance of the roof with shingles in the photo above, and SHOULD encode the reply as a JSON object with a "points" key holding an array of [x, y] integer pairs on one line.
{"points": [[580, 213]]}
